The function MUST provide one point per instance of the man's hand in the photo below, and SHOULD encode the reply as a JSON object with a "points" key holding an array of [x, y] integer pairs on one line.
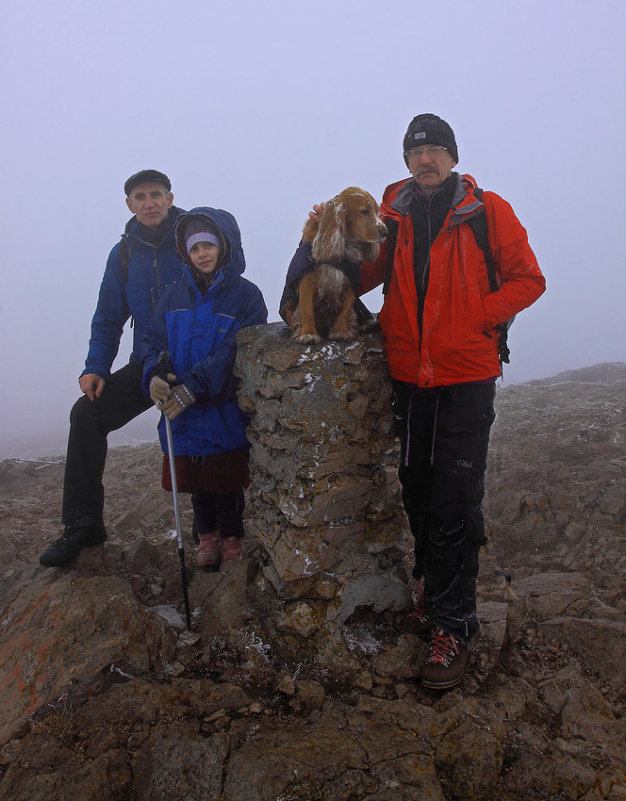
{"points": [[180, 398], [92, 385]]}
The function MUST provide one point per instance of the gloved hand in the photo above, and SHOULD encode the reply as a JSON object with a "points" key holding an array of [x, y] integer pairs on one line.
{"points": [[159, 389], [180, 398]]}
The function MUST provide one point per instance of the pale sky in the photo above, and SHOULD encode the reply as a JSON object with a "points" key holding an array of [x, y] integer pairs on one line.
{"points": [[266, 108]]}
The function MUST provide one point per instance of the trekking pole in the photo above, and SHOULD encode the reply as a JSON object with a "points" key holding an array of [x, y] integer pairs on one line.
{"points": [[164, 358]]}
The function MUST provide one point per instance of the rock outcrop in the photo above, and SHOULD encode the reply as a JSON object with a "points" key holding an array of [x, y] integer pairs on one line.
{"points": [[297, 683], [326, 508]]}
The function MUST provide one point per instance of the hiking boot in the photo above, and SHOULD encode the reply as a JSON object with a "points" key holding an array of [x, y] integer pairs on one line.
{"points": [[417, 622], [232, 549], [209, 550], [446, 661], [71, 543]]}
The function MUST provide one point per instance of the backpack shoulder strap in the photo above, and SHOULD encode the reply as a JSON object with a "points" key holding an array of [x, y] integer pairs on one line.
{"points": [[479, 226], [124, 255]]}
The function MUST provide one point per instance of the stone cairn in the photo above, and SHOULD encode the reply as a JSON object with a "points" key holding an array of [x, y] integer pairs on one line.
{"points": [[324, 504]]}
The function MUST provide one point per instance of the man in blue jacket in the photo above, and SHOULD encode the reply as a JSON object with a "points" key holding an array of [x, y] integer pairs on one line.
{"points": [[139, 269]]}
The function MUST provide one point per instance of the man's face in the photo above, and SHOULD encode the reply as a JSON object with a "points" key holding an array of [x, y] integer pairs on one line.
{"points": [[430, 165], [150, 202]]}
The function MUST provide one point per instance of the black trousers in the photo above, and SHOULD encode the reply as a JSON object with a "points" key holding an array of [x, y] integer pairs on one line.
{"points": [[219, 511], [90, 422], [445, 436]]}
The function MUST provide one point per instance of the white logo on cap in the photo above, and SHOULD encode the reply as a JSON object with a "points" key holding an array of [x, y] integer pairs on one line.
{"points": [[420, 135]]}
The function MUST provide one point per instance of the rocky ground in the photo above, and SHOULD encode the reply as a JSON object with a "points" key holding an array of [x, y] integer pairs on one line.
{"points": [[106, 696]]}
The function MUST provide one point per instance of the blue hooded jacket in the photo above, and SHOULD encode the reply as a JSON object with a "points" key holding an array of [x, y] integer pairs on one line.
{"points": [[200, 332], [131, 292]]}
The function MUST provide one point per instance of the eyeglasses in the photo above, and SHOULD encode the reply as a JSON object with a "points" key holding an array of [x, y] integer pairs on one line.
{"points": [[426, 150]]}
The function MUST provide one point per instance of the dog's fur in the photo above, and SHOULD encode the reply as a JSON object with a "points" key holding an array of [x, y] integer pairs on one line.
{"points": [[347, 229]]}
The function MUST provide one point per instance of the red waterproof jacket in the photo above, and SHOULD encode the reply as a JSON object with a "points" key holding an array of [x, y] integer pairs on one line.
{"points": [[458, 341]]}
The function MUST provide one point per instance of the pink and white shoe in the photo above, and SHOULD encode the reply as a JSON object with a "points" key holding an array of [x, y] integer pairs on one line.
{"points": [[209, 550], [232, 549]]}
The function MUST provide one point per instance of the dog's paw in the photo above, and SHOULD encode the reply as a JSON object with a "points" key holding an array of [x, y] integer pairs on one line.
{"points": [[369, 325], [340, 335], [308, 339]]}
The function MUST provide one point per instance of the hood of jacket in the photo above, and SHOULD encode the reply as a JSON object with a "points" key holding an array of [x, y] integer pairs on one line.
{"points": [[399, 197], [235, 263]]}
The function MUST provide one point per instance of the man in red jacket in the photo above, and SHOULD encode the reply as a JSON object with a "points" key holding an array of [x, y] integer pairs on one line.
{"points": [[440, 321]]}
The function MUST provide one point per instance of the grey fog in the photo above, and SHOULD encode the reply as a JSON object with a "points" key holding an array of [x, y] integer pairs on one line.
{"points": [[267, 108]]}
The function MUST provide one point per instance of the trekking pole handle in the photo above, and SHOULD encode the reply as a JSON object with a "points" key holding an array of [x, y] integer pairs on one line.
{"points": [[162, 366]]}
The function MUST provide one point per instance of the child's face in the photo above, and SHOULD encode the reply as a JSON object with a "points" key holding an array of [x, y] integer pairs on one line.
{"points": [[204, 256]]}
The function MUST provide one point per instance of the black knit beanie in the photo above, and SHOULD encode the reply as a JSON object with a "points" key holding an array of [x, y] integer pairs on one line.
{"points": [[428, 129]]}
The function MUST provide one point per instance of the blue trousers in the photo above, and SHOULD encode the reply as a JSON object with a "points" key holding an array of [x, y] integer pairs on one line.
{"points": [[445, 437]]}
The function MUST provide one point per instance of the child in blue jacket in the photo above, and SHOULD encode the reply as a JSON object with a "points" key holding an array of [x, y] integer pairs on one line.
{"points": [[197, 321]]}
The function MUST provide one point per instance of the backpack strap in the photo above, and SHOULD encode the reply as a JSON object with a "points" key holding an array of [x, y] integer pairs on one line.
{"points": [[124, 256], [478, 224]]}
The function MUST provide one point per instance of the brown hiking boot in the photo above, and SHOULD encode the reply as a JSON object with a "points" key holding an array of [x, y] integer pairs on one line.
{"points": [[417, 622], [446, 661]]}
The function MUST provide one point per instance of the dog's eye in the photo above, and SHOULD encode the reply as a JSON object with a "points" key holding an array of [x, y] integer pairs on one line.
{"points": [[364, 211]]}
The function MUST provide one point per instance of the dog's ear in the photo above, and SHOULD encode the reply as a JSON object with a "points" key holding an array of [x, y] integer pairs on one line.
{"points": [[288, 310], [310, 229], [330, 240]]}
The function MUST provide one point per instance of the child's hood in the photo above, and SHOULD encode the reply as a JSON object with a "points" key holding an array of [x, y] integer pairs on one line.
{"points": [[235, 262]]}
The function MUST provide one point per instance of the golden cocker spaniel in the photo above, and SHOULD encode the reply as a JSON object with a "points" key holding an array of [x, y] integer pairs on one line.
{"points": [[346, 232]]}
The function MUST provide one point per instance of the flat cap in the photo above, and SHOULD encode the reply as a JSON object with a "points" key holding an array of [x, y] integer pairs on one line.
{"points": [[143, 177]]}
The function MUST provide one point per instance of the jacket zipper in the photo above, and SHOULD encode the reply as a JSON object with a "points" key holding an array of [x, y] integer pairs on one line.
{"points": [[424, 279]]}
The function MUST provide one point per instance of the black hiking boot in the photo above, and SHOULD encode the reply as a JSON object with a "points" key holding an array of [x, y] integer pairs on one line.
{"points": [[71, 543], [446, 661]]}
